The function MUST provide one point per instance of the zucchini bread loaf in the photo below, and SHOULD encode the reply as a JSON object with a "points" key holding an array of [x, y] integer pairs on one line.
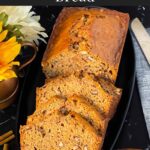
{"points": [[79, 97], [84, 86], [87, 40], [58, 131]]}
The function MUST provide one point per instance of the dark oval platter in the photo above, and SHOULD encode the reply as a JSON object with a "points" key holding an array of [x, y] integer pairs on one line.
{"points": [[35, 78]]}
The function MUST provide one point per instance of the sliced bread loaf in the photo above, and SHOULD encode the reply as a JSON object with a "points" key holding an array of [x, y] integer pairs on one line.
{"points": [[86, 39], [84, 86], [58, 131], [74, 103]]}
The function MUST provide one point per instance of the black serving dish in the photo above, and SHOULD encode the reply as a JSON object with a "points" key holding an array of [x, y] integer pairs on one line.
{"points": [[35, 78]]}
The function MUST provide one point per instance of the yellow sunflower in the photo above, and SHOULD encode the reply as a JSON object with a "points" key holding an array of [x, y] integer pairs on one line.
{"points": [[8, 51]]}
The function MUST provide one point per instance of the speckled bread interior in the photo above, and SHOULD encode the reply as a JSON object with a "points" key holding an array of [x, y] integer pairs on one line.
{"points": [[58, 131]]}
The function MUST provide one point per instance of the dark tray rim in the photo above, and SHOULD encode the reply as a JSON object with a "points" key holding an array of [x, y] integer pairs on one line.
{"points": [[130, 97]]}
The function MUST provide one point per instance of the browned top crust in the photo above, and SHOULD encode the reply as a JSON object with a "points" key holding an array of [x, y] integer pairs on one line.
{"points": [[105, 30]]}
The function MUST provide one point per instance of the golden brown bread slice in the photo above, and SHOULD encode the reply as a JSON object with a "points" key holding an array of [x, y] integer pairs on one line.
{"points": [[54, 103], [74, 103], [87, 111], [58, 131], [84, 86], [48, 107], [87, 40]]}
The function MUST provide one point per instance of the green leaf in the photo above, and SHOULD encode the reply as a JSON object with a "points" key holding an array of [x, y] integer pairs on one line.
{"points": [[14, 30], [3, 18], [9, 27], [17, 33], [18, 26]]}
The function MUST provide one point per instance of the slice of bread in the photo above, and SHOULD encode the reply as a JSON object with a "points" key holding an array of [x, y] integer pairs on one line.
{"points": [[74, 103], [90, 40], [87, 111], [58, 131], [53, 104], [84, 86]]}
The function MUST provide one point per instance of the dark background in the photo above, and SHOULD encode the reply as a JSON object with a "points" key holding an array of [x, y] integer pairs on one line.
{"points": [[71, 3], [134, 133]]}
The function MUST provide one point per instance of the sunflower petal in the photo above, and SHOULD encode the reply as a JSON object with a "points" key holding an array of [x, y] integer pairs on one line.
{"points": [[12, 39], [1, 25], [10, 43], [6, 71], [3, 35], [9, 53], [7, 75], [8, 66], [5, 45]]}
